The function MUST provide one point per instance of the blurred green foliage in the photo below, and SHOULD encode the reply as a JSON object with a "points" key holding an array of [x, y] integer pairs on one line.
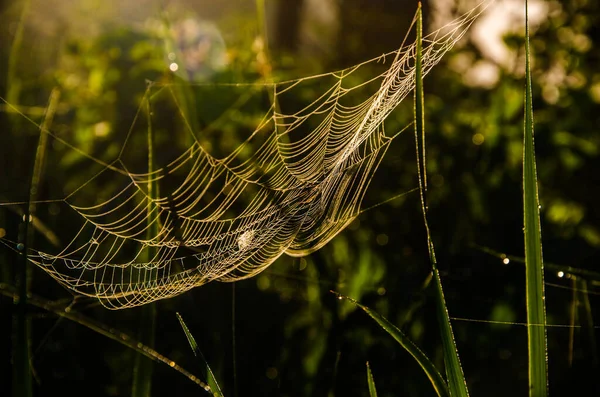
{"points": [[292, 336]]}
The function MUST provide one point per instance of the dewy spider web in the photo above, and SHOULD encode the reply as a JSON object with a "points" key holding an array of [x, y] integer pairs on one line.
{"points": [[290, 187]]}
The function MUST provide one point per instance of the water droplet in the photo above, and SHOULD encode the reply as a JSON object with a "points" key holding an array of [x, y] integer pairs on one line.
{"points": [[560, 274], [506, 261], [20, 246], [171, 56], [174, 67], [340, 297], [172, 363]]}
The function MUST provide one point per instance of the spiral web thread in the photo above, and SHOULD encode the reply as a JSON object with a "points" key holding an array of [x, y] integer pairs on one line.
{"points": [[229, 218]]}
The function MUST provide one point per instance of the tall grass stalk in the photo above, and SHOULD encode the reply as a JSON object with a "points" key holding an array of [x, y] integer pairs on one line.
{"points": [[534, 269], [456, 378], [22, 324], [142, 370], [14, 82]]}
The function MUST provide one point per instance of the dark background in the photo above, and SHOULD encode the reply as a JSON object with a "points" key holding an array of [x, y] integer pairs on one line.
{"points": [[292, 337]]}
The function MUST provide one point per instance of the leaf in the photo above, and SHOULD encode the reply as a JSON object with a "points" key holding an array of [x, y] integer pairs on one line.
{"points": [[534, 270], [212, 381], [432, 373], [371, 382]]}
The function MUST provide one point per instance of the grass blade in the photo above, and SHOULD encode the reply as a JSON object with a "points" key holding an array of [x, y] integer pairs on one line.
{"points": [[456, 378], [109, 332], [14, 81], [371, 382], [143, 368], [210, 377], [586, 319], [21, 354], [534, 270], [430, 370]]}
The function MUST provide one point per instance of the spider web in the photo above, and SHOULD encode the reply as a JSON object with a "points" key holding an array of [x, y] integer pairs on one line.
{"points": [[291, 186]]}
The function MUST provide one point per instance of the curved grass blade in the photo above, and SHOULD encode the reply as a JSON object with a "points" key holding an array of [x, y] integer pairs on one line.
{"points": [[456, 378], [212, 381], [534, 270], [371, 382], [111, 333], [430, 370]]}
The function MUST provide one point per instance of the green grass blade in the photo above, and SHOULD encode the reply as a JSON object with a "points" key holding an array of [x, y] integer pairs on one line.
{"points": [[371, 382], [456, 378], [210, 377], [534, 270], [14, 81], [143, 368], [430, 370], [587, 319], [109, 332], [22, 329]]}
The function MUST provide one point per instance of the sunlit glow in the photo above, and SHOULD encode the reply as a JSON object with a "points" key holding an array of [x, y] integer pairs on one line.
{"points": [[102, 129], [174, 67], [561, 274], [263, 283], [478, 139]]}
